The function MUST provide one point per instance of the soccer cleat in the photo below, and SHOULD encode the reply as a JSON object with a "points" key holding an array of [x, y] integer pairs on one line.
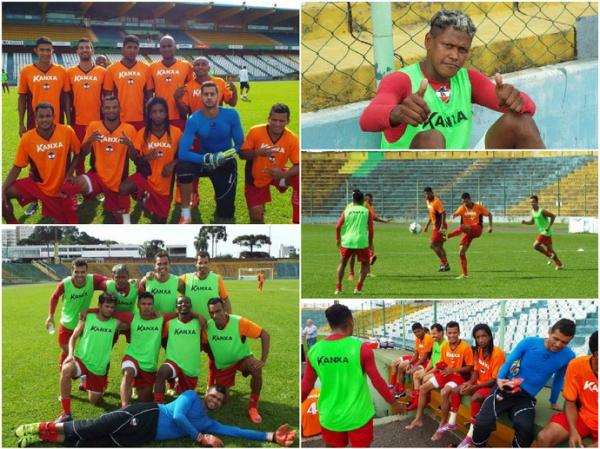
{"points": [[357, 291], [444, 267], [337, 291], [400, 394], [559, 267], [254, 415], [27, 429], [462, 276], [183, 220], [63, 417], [446, 428], [101, 197], [467, 442], [351, 276], [372, 260], [549, 262], [28, 440], [171, 392], [32, 209]]}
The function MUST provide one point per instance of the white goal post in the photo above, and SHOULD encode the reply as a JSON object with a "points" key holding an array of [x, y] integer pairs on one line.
{"points": [[250, 274]]}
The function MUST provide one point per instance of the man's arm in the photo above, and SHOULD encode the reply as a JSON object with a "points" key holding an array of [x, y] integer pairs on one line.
{"points": [[237, 132], [65, 98], [185, 152], [265, 343], [308, 380], [550, 216], [557, 384], [13, 175], [338, 230], [215, 427], [58, 292], [527, 222], [76, 334], [392, 91], [490, 222], [516, 354], [371, 233], [22, 107], [422, 360], [572, 413], [483, 92], [367, 362], [183, 109]]}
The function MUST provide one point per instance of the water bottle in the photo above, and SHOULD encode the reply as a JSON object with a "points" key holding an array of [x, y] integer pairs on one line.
{"points": [[50, 328]]}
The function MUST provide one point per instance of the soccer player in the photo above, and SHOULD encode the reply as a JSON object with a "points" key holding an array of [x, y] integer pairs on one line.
{"points": [[261, 280], [471, 226], [267, 150], [110, 142], [534, 360], [354, 235], [488, 360], [42, 82], [138, 424], [411, 364], [423, 375], [216, 128], [203, 285], [124, 290], [244, 83], [437, 218], [543, 220], [456, 361], [162, 284], [183, 351], [342, 364], [127, 80], [47, 149], [227, 336], [77, 291], [156, 145], [85, 82], [102, 61], [429, 104], [92, 355], [580, 416], [5, 87]]}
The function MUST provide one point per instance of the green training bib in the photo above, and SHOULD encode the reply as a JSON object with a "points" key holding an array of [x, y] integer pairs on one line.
{"points": [[145, 342], [183, 346], [75, 300], [96, 343], [200, 291], [165, 293], [355, 230], [541, 222], [226, 344], [125, 303]]}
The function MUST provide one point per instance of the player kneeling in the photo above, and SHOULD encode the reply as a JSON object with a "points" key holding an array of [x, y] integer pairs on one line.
{"points": [[155, 158]]}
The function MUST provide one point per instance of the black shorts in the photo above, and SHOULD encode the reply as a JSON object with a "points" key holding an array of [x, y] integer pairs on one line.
{"points": [[244, 85], [132, 426]]}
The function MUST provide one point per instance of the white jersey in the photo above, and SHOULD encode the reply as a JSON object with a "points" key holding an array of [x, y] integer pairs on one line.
{"points": [[244, 76]]}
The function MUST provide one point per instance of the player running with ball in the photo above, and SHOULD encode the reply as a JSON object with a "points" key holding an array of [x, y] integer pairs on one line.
{"points": [[543, 220]]}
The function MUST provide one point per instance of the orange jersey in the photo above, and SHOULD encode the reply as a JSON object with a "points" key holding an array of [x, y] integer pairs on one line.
{"points": [[166, 149], [287, 148], [435, 208], [193, 93], [44, 86], [261, 277], [165, 80], [488, 368], [87, 92], [129, 84], [48, 158], [311, 425], [110, 156], [581, 386], [472, 216], [458, 357], [423, 346]]}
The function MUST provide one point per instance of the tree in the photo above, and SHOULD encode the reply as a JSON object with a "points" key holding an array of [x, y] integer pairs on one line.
{"points": [[152, 247], [201, 241], [215, 233], [44, 235], [252, 240]]}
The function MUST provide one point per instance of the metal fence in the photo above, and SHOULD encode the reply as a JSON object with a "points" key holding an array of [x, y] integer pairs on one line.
{"points": [[338, 62]]}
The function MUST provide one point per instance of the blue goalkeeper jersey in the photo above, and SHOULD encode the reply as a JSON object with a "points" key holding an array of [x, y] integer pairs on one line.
{"points": [[215, 134], [186, 416]]}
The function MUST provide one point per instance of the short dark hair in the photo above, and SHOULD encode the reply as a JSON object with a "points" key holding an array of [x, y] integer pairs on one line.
{"points": [[162, 254], [215, 301], [358, 196], [416, 326], [428, 190], [453, 325], [426, 329], [44, 105], [565, 327], [208, 84], [337, 315], [106, 298], [79, 262], [534, 197], [109, 97], [594, 342], [370, 195], [280, 108], [465, 196], [144, 295], [438, 327], [120, 268], [202, 254], [86, 40], [219, 389], [131, 38], [43, 40]]}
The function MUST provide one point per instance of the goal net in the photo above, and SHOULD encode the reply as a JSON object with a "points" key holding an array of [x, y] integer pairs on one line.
{"points": [[250, 274]]}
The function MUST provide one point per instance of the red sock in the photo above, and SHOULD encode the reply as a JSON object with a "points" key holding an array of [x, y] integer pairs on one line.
{"points": [[159, 397], [400, 384], [253, 400], [463, 264], [46, 426], [444, 261], [454, 402], [475, 407], [456, 232], [294, 183], [338, 286], [49, 435], [61, 359], [66, 405], [359, 285]]}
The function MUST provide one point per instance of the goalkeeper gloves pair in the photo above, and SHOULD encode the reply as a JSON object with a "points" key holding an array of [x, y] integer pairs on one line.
{"points": [[215, 160]]}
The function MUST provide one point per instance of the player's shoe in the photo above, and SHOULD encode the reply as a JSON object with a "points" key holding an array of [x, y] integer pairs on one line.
{"points": [[400, 394], [467, 442], [357, 291], [31, 209], [446, 428], [171, 392], [27, 429], [28, 440], [63, 417], [183, 220], [559, 267], [134, 394], [549, 261], [444, 267], [100, 197], [351, 276], [462, 276], [372, 260], [254, 415], [413, 405], [337, 291]]}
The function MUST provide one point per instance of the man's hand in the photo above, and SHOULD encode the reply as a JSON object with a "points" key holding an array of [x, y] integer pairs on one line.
{"points": [[284, 436], [95, 137], [466, 389], [124, 139], [413, 110], [509, 97], [255, 364], [447, 371], [208, 440], [276, 173], [179, 93], [167, 170], [338, 243], [49, 320], [575, 440], [215, 160], [150, 275], [267, 151], [489, 230]]}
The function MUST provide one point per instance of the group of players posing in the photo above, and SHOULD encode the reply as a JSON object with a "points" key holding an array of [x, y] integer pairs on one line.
{"points": [[355, 232], [499, 384], [184, 315], [166, 118]]}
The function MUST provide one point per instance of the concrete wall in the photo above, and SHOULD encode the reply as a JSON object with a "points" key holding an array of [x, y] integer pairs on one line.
{"points": [[566, 96]]}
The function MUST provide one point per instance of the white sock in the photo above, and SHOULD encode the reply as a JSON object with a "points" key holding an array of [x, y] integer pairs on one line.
{"points": [[186, 212], [470, 432], [452, 419], [126, 219]]}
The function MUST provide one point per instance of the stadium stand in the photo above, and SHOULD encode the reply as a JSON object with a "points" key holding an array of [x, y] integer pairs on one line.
{"points": [[22, 273], [107, 33], [282, 38], [230, 38], [16, 31], [180, 36], [287, 270], [60, 270], [239, 62], [275, 63]]}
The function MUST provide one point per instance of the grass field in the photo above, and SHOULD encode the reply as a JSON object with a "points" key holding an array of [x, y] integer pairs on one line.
{"points": [[262, 96], [501, 265], [30, 374]]}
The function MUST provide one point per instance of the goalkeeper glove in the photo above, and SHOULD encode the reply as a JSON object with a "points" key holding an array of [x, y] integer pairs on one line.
{"points": [[208, 440], [215, 160]]}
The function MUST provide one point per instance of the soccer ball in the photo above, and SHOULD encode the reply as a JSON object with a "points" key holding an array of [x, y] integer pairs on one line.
{"points": [[414, 228]]}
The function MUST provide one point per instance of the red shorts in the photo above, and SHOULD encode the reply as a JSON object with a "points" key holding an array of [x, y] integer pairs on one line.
{"points": [[80, 131], [113, 202], [93, 382], [544, 239], [475, 232], [582, 429], [183, 382], [442, 381], [226, 376], [361, 437], [60, 208], [137, 125], [485, 392], [257, 196], [363, 255], [142, 378], [178, 122], [64, 335], [152, 201], [436, 236]]}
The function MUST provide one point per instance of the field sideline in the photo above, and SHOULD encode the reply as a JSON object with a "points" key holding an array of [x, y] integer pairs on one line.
{"points": [[501, 265], [30, 356], [262, 96]]}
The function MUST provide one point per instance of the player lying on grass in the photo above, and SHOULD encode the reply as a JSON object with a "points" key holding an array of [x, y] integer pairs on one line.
{"points": [[429, 104], [411, 364], [580, 416], [544, 221], [437, 218], [138, 424], [533, 361]]}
